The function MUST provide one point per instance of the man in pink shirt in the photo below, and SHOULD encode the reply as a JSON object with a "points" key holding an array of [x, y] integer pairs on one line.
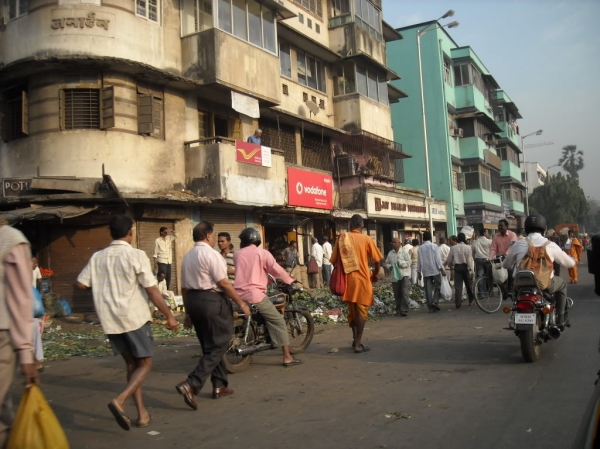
{"points": [[502, 240], [252, 264]]}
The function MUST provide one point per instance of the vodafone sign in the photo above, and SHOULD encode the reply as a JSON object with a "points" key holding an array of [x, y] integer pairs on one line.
{"points": [[309, 189]]}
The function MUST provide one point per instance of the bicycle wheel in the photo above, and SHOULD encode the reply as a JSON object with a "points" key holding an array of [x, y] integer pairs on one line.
{"points": [[488, 295]]}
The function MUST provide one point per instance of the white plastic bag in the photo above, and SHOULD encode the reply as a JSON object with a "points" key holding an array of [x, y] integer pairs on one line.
{"points": [[499, 273], [445, 289]]}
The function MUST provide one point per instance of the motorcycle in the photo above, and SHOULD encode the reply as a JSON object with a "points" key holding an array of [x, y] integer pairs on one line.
{"points": [[250, 334], [534, 315]]}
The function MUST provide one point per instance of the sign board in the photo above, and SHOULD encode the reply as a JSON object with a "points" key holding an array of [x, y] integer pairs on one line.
{"points": [[475, 216], [309, 189], [16, 187], [379, 205], [506, 208], [251, 153], [245, 105]]}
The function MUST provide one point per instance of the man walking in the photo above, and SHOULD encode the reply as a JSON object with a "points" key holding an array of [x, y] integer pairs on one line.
{"points": [[206, 289], [444, 250], [226, 249], [16, 319], [253, 264], [481, 251], [398, 262], [163, 253], [122, 282], [316, 279], [414, 256], [290, 255], [431, 268], [327, 267], [355, 249], [461, 258]]}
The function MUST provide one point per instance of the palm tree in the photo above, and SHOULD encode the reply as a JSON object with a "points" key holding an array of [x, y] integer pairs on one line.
{"points": [[571, 160]]}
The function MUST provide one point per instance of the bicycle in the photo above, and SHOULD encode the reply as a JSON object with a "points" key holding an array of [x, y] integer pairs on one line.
{"points": [[489, 293]]}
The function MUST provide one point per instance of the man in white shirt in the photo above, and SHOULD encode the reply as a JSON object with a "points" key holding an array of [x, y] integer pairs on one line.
{"points": [[444, 250], [398, 262], [481, 251], [429, 266], [163, 253], [316, 279], [535, 226], [327, 267]]}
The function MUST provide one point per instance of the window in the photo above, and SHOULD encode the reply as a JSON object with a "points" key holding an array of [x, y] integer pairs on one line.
{"points": [[457, 179], [351, 78], [14, 114], [462, 75], [311, 72], [368, 17], [150, 9], [512, 193], [477, 177], [150, 112], [285, 59], [361, 79], [196, 16], [249, 21], [314, 6], [340, 7], [80, 109], [344, 82], [16, 8], [508, 154], [447, 76]]}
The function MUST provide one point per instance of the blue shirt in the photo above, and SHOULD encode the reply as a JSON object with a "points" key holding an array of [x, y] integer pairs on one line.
{"points": [[254, 139], [430, 262]]}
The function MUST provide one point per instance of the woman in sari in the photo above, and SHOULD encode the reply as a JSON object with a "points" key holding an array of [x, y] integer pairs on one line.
{"points": [[573, 248]]}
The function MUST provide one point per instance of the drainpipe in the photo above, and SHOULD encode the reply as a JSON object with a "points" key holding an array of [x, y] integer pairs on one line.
{"points": [[452, 214]]}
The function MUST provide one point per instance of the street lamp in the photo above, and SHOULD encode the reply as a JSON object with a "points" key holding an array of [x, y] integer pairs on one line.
{"points": [[537, 133], [420, 33]]}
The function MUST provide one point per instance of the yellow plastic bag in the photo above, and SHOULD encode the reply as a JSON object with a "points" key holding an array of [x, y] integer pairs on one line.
{"points": [[36, 425]]}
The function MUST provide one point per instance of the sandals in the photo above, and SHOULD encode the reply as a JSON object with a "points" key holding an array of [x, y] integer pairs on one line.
{"points": [[138, 424], [362, 349], [121, 418], [293, 362]]}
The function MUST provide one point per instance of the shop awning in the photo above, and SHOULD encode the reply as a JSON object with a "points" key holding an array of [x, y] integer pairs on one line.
{"points": [[37, 212]]}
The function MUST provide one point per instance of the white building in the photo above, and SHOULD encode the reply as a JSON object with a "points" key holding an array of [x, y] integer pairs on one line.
{"points": [[533, 176]]}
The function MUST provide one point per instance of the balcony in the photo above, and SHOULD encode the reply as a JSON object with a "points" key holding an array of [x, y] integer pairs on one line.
{"points": [[482, 196], [212, 170], [509, 134], [469, 97], [510, 170], [357, 112], [349, 38], [515, 206], [472, 147], [216, 57]]}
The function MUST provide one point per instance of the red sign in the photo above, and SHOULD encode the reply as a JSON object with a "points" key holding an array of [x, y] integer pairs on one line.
{"points": [[247, 152], [310, 189]]}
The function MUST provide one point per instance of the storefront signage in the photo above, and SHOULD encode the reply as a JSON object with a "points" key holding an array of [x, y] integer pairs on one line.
{"points": [[309, 189], [475, 216], [251, 153], [403, 208], [80, 22], [15, 187]]}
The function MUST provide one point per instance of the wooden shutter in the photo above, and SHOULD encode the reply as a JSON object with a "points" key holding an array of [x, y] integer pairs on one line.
{"points": [[235, 125], [145, 114], [157, 119], [3, 121], [24, 113], [226, 220], [107, 107]]}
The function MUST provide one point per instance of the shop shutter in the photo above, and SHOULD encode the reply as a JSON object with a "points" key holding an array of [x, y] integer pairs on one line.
{"points": [[147, 233], [70, 250], [226, 221]]}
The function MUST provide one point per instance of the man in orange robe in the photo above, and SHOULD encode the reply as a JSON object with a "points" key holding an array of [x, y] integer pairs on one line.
{"points": [[355, 250], [574, 248]]}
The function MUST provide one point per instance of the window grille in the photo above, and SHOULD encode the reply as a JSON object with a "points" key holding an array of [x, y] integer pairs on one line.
{"points": [[81, 108]]}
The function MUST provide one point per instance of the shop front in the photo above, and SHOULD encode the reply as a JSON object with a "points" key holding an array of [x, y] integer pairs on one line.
{"points": [[487, 219], [391, 215]]}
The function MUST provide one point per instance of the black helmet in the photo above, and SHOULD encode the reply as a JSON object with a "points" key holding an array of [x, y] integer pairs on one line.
{"points": [[249, 236], [535, 223]]}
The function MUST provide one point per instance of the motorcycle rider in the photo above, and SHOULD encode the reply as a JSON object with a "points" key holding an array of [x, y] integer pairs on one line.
{"points": [[252, 264], [535, 227]]}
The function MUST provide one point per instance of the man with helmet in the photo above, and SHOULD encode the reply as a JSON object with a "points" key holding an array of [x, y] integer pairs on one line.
{"points": [[535, 227], [252, 264]]}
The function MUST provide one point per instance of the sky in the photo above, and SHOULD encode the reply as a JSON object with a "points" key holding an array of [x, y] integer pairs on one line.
{"points": [[545, 54]]}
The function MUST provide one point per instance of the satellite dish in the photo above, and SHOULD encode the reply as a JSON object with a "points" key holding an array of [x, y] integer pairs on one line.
{"points": [[312, 107]]}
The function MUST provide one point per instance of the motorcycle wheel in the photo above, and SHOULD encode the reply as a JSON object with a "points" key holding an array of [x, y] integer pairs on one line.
{"points": [[299, 338], [235, 363], [530, 347]]}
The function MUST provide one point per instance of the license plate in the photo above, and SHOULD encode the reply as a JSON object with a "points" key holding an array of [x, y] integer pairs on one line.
{"points": [[525, 318]]}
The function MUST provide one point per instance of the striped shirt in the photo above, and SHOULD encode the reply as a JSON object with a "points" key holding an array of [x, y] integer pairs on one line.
{"points": [[118, 277], [429, 262]]}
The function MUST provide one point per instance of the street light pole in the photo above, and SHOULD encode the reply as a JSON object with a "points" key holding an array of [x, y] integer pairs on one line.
{"points": [[420, 33], [537, 133]]}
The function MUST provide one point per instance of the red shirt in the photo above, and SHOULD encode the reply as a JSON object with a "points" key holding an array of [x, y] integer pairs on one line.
{"points": [[501, 243], [251, 267]]}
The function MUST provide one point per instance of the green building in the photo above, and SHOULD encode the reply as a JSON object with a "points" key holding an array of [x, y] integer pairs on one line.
{"points": [[472, 133]]}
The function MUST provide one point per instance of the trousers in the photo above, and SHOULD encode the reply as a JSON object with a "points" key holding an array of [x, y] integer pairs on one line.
{"points": [[558, 287], [432, 289], [166, 269], [8, 364], [275, 323], [461, 275], [401, 294], [327, 270], [212, 316]]}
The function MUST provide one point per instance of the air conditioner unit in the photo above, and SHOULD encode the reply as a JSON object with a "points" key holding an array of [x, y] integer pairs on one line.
{"points": [[456, 132]]}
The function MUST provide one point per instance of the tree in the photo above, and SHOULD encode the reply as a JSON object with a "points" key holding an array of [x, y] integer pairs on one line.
{"points": [[571, 160], [560, 200]]}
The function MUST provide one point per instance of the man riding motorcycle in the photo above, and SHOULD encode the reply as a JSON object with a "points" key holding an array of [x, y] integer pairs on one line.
{"points": [[535, 227], [252, 264]]}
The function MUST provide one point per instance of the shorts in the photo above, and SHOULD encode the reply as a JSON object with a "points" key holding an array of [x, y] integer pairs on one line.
{"points": [[137, 342]]}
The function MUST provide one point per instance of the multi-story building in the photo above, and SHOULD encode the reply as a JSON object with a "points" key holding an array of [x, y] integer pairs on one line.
{"points": [[471, 129], [533, 175], [143, 107]]}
